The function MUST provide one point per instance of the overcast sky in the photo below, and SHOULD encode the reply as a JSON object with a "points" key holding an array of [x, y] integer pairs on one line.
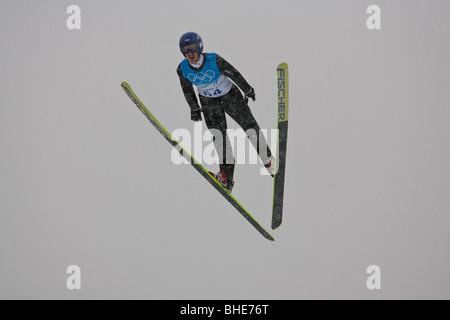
{"points": [[87, 181]]}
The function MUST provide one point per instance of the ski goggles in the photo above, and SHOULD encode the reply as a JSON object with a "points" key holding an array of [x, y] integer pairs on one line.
{"points": [[189, 48]]}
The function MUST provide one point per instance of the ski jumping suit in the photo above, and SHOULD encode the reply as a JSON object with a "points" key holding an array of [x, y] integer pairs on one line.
{"points": [[219, 96]]}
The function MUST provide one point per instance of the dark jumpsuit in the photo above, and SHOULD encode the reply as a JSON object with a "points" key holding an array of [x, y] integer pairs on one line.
{"points": [[235, 105]]}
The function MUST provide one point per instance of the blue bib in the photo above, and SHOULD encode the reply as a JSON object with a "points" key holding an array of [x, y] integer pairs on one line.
{"points": [[209, 80]]}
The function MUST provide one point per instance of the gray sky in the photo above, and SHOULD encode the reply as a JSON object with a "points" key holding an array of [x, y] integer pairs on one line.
{"points": [[87, 181]]}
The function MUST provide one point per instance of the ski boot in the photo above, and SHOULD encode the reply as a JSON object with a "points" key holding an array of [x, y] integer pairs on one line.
{"points": [[270, 166], [221, 177]]}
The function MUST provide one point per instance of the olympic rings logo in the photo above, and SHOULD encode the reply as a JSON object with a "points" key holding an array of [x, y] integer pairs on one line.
{"points": [[201, 77]]}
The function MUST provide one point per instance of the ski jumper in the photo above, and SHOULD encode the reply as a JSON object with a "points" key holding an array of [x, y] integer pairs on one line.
{"points": [[219, 96]]}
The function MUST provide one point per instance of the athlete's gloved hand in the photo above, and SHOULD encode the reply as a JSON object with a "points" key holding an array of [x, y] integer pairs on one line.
{"points": [[251, 94], [196, 115]]}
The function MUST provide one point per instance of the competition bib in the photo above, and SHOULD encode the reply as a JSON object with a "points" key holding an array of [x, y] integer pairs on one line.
{"points": [[209, 81]]}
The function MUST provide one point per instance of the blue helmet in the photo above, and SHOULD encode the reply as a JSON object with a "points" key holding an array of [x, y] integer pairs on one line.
{"points": [[191, 38]]}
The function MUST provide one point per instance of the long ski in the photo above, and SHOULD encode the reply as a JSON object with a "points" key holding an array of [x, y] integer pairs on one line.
{"points": [[282, 119], [224, 192]]}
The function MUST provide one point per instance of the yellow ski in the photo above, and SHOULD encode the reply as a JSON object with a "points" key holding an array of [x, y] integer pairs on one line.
{"points": [[282, 119], [223, 191]]}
